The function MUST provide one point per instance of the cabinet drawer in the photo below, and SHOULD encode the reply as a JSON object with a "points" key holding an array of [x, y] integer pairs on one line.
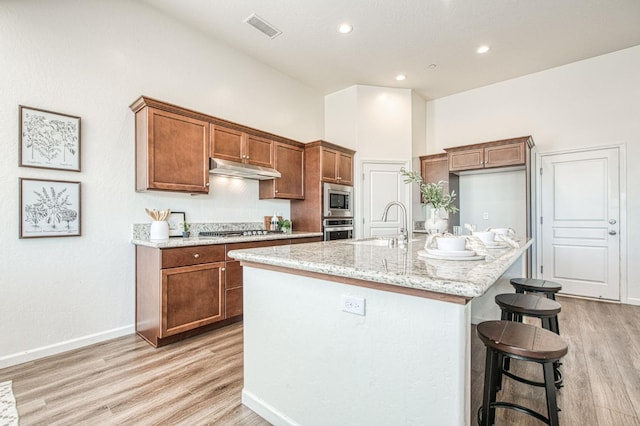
{"points": [[186, 256]]}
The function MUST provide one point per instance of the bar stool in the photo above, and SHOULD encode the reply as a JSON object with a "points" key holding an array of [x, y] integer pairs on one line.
{"points": [[524, 342], [532, 285], [515, 305]]}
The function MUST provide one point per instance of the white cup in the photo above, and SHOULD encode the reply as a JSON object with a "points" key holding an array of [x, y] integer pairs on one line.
{"points": [[451, 243], [507, 232], [487, 237]]}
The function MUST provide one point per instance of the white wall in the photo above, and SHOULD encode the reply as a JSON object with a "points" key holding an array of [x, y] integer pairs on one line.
{"points": [[585, 104], [500, 195], [379, 123], [93, 58]]}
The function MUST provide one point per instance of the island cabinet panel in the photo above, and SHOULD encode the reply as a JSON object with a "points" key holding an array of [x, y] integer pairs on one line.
{"points": [[192, 296], [236, 145], [289, 161], [503, 153], [172, 152]]}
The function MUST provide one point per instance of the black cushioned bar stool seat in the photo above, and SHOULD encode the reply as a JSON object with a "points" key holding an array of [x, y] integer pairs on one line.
{"points": [[524, 342], [532, 285]]}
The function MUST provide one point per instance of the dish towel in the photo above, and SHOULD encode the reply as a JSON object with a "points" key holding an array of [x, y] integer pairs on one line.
{"points": [[8, 411]]}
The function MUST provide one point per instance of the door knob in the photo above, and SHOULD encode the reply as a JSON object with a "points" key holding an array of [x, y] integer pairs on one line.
{"points": [[612, 232], [612, 222]]}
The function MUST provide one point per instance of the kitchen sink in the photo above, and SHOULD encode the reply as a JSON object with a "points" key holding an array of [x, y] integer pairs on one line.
{"points": [[377, 241]]}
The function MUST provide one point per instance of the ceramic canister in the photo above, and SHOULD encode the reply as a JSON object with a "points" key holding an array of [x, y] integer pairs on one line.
{"points": [[159, 230]]}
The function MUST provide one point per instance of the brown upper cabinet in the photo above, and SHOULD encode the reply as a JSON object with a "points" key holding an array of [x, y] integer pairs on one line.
{"points": [[336, 166], [502, 153], [173, 146], [235, 145], [289, 161], [172, 149]]}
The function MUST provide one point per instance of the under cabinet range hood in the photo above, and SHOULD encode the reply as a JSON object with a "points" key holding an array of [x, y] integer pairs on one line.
{"points": [[242, 170]]}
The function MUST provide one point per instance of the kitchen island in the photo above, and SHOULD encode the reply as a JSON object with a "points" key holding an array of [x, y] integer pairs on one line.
{"points": [[406, 361]]}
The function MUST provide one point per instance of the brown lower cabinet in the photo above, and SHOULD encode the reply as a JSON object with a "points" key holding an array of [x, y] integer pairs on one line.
{"points": [[185, 291]]}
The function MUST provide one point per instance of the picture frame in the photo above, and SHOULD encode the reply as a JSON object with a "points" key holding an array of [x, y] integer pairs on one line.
{"points": [[176, 219], [49, 208], [49, 140]]}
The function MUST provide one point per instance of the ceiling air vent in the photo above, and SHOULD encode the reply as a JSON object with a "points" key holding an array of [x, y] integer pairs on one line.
{"points": [[263, 26]]}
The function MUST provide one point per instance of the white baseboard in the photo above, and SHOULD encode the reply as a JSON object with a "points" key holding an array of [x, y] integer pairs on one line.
{"points": [[265, 410], [633, 301], [56, 348]]}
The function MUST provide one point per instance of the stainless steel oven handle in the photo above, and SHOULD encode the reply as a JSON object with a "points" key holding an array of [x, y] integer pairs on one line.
{"points": [[334, 228]]}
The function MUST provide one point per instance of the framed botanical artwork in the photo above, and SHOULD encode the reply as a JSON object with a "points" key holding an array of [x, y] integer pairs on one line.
{"points": [[176, 219], [49, 208], [49, 140]]}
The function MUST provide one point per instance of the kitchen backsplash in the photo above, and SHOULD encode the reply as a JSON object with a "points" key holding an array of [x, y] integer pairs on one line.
{"points": [[140, 231]]}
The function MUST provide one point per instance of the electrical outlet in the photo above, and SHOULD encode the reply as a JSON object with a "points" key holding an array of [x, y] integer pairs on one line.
{"points": [[354, 305], [485, 215]]}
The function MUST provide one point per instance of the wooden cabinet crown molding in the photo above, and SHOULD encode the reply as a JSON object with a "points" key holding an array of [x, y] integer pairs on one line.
{"points": [[143, 101], [330, 145], [528, 140]]}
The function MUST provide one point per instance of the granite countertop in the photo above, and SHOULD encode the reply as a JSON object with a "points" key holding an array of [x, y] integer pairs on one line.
{"points": [[400, 265], [202, 241]]}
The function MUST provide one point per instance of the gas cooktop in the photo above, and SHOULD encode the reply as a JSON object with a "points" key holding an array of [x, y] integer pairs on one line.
{"points": [[241, 233]]}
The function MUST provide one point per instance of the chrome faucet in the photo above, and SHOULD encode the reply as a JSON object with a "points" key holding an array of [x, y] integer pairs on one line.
{"points": [[403, 230]]}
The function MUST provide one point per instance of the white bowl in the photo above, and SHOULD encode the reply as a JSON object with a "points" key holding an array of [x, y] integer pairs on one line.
{"points": [[486, 236], [451, 243]]}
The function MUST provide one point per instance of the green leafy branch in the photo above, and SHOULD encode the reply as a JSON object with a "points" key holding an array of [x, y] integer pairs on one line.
{"points": [[432, 193]]}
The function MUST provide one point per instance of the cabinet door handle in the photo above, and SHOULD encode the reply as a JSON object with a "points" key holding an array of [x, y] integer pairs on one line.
{"points": [[276, 191], [223, 269], [196, 256], [612, 232]]}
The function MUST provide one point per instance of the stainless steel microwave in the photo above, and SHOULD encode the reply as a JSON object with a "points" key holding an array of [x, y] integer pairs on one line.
{"points": [[338, 200]]}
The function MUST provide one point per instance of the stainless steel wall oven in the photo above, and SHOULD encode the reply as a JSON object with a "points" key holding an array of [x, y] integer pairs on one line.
{"points": [[337, 229]]}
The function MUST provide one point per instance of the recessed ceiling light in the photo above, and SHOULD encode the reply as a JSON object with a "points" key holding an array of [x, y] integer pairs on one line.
{"points": [[345, 28], [401, 77], [483, 49]]}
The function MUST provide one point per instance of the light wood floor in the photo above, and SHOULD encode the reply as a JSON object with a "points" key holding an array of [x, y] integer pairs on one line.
{"points": [[198, 381]]}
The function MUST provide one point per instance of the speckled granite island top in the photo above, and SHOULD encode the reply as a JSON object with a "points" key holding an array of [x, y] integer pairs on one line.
{"points": [[396, 266]]}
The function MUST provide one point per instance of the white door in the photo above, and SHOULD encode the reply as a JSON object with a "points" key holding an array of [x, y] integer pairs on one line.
{"points": [[383, 183], [580, 207]]}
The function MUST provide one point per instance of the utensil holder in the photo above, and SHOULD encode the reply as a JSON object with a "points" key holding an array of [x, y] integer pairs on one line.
{"points": [[159, 230]]}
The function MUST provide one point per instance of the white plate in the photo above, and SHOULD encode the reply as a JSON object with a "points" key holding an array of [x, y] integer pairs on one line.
{"points": [[424, 255], [495, 244], [451, 253]]}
